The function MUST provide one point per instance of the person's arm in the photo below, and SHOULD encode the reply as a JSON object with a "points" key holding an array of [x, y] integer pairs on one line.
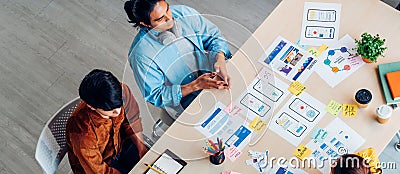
{"points": [[210, 34], [136, 137], [205, 81], [220, 67], [133, 124], [86, 150], [151, 83], [213, 42]]}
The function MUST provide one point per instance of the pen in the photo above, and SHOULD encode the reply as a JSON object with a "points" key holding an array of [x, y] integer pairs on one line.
{"points": [[213, 145], [219, 144], [152, 168], [209, 149], [209, 153]]}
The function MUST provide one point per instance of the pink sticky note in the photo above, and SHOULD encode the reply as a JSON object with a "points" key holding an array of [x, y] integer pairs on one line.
{"points": [[232, 172], [233, 109], [232, 153]]}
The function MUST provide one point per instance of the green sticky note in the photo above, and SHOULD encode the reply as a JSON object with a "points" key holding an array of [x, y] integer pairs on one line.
{"points": [[333, 107]]}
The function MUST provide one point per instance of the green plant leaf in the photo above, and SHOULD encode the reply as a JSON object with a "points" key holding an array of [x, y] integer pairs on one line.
{"points": [[370, 47]]}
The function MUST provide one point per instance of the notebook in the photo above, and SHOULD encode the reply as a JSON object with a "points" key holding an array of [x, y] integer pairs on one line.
{"points": [[383, 69], [167, 163], [393, 79]]}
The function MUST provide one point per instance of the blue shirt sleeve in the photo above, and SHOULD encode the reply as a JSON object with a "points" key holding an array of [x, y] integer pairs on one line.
{"points": [[152, 84], [210, 34]]}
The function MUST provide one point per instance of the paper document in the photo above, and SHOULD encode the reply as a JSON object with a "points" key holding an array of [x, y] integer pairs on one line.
{"points": [[288, 60], [339, 61], [167, 163], [231, 129], [321, 23], [340, 139], [261, 98], [259, 101], [297, 118]]}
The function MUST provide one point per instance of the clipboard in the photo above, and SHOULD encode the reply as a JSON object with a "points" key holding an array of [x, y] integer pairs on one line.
{"points": [[168, 163]]}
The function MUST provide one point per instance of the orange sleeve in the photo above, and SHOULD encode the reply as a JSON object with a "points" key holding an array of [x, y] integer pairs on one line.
{"points": [[88, 154], [131, 109]]}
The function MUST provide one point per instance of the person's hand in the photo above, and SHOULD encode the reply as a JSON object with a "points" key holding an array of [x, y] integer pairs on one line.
{"points": [[207, 81], [220, 68]]}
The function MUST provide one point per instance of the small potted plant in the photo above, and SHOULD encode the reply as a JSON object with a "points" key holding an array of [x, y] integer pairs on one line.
{"points": [[370, 47]]}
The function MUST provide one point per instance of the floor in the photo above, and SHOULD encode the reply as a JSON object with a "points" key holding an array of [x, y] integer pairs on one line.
{"points": [[47, 46]]}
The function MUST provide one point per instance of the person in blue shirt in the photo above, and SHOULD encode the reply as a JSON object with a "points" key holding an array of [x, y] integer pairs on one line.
{"points": [[176, 53]]}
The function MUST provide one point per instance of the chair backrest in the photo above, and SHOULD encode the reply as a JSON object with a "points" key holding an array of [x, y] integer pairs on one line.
{"points": [[51, 147]]}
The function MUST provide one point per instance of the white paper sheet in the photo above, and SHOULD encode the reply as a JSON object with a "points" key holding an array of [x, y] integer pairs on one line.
{"points": [[339, 61], [297, 118], [341, 139], [321, 23], [231, 129], [288, 60], [166, 164], [261, 98]]}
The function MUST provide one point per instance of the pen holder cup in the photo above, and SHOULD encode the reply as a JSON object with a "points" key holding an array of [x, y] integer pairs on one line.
{"points": [[218, 159]]}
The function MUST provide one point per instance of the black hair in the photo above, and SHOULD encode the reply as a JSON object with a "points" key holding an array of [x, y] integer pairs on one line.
{"points": [[101, 90], [139, 10], [350, 164]]}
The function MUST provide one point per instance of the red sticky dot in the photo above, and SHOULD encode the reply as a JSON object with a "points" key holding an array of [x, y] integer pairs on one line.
{"points": [[301, 107], [315, 32]]}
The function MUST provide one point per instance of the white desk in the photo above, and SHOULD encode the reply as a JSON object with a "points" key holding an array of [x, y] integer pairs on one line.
{"points": [[357, 16]]}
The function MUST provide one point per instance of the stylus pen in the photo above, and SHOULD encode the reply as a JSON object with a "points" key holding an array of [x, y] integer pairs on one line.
{"points": [[152, 168]]}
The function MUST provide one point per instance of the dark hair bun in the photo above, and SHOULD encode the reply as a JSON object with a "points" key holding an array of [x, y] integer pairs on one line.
{"points": [[139, 11], [129, 6]]}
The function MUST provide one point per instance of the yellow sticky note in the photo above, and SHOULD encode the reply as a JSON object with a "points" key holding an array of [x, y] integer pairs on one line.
{"points": [[349, 110], [257, 124], [321, 49], [296, 88], [302, 152], [333, 107]]}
